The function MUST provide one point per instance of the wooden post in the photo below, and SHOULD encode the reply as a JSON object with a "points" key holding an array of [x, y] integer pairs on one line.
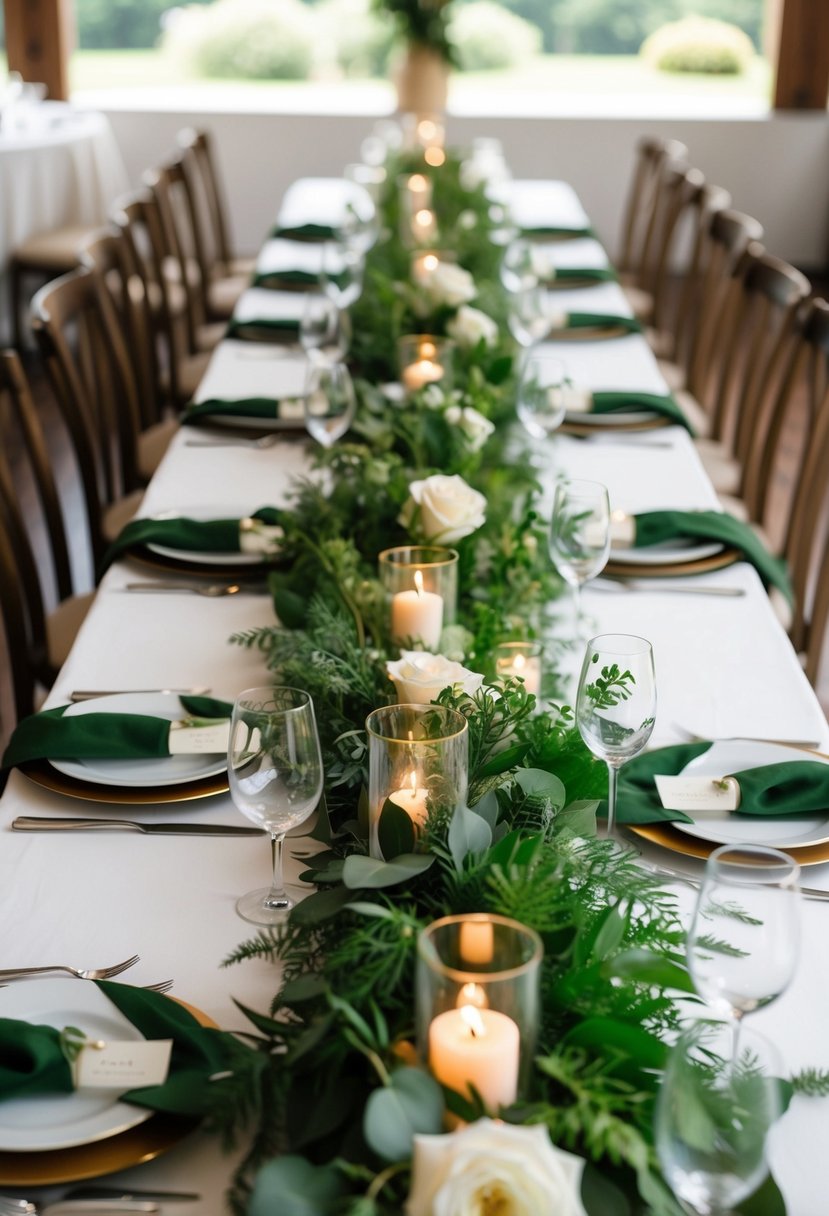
{"points": [[802, 81], [39, 35]]}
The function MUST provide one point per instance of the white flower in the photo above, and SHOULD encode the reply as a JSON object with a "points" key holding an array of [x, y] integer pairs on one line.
{"points": [[468, 219], [449, 508], [475, 428], [494, 1167], [470, 325], [433, 397], [449, 285], [419, 676]]}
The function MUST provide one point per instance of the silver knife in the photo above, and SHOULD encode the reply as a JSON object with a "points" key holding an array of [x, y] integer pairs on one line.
{"points": [[38, 823], [128, 1193], [690, 880], [91, 694]]}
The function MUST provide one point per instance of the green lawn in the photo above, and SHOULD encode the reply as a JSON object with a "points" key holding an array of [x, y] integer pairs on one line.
{"points": [[569, 75]]}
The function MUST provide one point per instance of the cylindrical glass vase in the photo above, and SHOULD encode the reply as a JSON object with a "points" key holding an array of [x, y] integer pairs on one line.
{"points": [[424, 359], [478, 1005], [421, 585], [418, 761], [520, 660]]}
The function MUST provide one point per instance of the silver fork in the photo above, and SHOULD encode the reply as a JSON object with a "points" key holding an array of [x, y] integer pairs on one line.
{"points": [[264, 441], [211, 590], [106, 1207], [161, 986], [618, 583], [81, 973]]}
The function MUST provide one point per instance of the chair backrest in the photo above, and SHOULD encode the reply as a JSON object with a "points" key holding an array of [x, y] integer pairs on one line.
{"points": [[652, 155], [109, 253], [678, 206], [206, 189], [679, 315], [167, 184], [85, 353]]}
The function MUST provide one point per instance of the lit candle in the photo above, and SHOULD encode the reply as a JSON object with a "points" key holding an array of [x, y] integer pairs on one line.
{"points": [[424, 265], [412, 799], [524, 667], [476, 1047], [418, 615], [425, 369], [420, 189], [434, 156], [472, 994], [477, 942], [424, 225]]}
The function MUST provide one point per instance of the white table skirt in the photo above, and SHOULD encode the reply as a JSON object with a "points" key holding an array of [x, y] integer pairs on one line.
{"points": [[723, 666]]}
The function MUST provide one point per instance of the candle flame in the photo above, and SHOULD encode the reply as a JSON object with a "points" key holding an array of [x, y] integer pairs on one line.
{"points": [[519, 664], [434, 157], [430, 261], [424, 217], [426, 129], [474, 995], [428, 350], [413, 782], [418, 582], [473, 1020], [418, 182]]}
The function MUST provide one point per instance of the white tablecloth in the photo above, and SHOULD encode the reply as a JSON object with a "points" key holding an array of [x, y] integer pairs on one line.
{"points": [[724, 666]]}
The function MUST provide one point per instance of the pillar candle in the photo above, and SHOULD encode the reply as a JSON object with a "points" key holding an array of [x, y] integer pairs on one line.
{"points": [[418, 615], [476, 1047], [477, 942], [412, 798], [525, 667]]}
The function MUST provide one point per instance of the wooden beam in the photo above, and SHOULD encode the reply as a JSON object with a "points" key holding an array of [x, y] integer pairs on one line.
{"points": [[802, 81], [39, 35]]}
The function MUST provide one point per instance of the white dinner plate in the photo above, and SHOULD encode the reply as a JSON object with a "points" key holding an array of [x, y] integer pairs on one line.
{"points": [[787, 832], [53, 1121], [667, 553], [161, 770], [247, 422], [609, 421], [197, 557]]}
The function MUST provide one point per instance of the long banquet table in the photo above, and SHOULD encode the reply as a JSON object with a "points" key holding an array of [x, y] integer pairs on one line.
{"points": [[724, 667]]}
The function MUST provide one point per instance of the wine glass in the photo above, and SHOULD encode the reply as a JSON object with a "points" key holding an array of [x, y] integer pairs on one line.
{"points": [[542, 394], [342, 274], [324, 331], [330, 403], [518, 271], [713, 1115], [529, 319], [744, 939], [616, 704], [579, 537], [275, 772]]}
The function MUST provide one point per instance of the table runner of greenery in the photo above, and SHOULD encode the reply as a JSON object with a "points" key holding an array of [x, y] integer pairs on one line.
{"points": [[342, 1095]]}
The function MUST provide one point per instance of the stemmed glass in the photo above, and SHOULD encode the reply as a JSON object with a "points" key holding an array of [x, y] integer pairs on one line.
{"points": [[518, 270], [580, 535], [541, 394], [342, 274], [324, 331], [330, 403], [744, 939], [529, 318], [616, 704], [713, 1115], [275, 772]]}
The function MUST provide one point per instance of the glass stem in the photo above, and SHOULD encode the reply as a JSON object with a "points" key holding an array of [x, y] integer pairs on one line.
{"points": [[577, 607], [612, 781], [737, 1022], [277, 894]]}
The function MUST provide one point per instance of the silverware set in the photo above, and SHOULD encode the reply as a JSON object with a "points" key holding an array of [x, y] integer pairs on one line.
{"points": [[663, 587], [264, 441], [91, 694], [38, 823], [96, 1199], [211, 590]]}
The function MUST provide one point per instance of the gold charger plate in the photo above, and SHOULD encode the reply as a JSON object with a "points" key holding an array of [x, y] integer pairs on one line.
{"points": [[43, 774], [587, 430], [588, 333], [582, 280], [703, 565], [668, 837], [150, 1139]]}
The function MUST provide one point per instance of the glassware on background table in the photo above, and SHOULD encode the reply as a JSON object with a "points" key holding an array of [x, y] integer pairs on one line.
{"points": [[342, 274], [616, 704], [518, 271], [360, 227], [529, 317], [275, 773], [713, 1116], [541, 396], [579, 538], [324, 330], [330, 403], [744, 940]]}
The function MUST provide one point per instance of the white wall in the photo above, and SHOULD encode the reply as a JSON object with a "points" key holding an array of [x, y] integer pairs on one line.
{"points": [[776, 167]]}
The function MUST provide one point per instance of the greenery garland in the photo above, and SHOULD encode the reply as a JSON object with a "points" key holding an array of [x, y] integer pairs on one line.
{"points": [[339, 1098]]}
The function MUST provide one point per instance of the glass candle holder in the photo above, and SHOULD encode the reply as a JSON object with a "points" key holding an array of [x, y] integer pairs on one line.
{"points": [[424, 359], [424, 262], [477, 999], [418, 760], [521, 660], [421, 583]]}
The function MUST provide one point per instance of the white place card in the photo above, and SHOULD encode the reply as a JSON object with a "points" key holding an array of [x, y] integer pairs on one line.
{"points": [[577, 400], [622, 530], [699, 793], [127, 1065], [258, 537], [188, 740]]}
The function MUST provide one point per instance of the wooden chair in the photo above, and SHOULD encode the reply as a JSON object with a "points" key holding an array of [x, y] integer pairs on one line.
{"points": [[38, 639], [223, 277], [678, 199], [43, 257], [83, 347], [640, 223]]}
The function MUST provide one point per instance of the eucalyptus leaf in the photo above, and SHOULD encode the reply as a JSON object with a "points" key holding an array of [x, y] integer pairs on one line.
{"points": [[411, 1103], [361, 872], [291, 608], [364, 908], [537, 783], [468, 835], [648, 968], [503, 762], [395, 831], [294, 1187], [579, 817], [488, 808], [320, 906]]}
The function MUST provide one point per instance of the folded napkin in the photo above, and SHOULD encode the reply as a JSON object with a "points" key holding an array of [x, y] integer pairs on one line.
{"points": [[50, 735], [794, 787], [287, 278], [304, 232], [32, 1060], [594, 274], [200, 535], [245, 407], [596, 320], [534, 229], [241, 327], [655, 526], [654, 403]]}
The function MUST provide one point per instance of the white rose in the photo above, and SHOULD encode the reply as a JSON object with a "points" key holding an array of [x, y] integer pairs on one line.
{"points": [[433, 397], [449, 284], [469, 325], [475, 428], [490, 1167], [449, 508], [419, 676]]}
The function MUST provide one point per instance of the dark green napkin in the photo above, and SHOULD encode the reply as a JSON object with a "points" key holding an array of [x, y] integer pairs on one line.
{"points": [[601, 320], [793, 787], [611, 402], [305, 232], [595, 274], [557, 230], [32, 1062], [277, 325], [655, 526], [247, 407], [297, 278], [50, 735], [192, 535]]}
